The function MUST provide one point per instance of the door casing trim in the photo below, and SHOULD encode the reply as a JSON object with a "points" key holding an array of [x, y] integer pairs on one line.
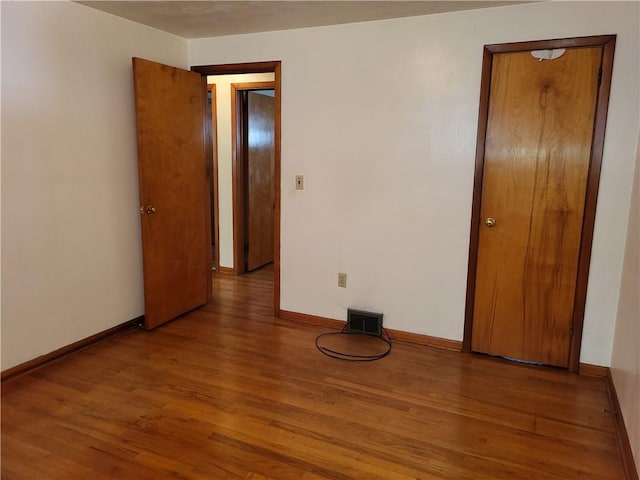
{"points": [[607, 42], [212, 139]]}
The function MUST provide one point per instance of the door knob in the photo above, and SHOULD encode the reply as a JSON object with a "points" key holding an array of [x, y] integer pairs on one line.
{"points": [[150, 209], [490, 222]]}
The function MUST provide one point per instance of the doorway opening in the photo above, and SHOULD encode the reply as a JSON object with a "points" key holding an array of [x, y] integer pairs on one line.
{"points": [[233, 207], [253, 139]]}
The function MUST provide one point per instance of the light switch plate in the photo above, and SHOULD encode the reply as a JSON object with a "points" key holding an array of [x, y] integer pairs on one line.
{"points": [[299, 182]]}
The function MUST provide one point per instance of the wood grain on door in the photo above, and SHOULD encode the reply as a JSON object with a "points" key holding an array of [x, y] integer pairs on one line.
{"points": [[537, 153]]}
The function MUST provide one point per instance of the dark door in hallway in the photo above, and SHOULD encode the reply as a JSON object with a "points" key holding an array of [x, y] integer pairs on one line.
{"points": [[259, 199]]}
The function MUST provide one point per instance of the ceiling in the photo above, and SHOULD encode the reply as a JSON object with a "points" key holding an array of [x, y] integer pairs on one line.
{"points": [[211, 18]]}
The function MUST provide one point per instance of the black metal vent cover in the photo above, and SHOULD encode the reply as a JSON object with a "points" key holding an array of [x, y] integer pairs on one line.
{"points": [[359, 321]]}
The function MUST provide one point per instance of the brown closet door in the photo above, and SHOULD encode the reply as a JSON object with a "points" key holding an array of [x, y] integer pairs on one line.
{"points": [[537, 154]]}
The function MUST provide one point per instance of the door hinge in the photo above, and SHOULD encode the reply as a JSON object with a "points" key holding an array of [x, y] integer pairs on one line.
{"points": [[599, 76], [571, 330]]}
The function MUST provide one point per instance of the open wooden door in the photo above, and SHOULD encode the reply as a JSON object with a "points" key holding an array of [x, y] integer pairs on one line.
{"points": [[174, 190], [259, 187]]}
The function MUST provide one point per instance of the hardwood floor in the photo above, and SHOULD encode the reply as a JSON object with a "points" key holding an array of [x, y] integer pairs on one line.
{"points": [[230, 392]]}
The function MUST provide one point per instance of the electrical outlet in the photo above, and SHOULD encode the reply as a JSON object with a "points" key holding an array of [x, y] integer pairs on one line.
{"points": [[299, 182], [342, 280]]}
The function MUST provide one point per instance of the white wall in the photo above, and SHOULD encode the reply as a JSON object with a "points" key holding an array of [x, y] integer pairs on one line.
{"points": [[381, 119], [71, 261], [625, 362], [225, 158]]}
